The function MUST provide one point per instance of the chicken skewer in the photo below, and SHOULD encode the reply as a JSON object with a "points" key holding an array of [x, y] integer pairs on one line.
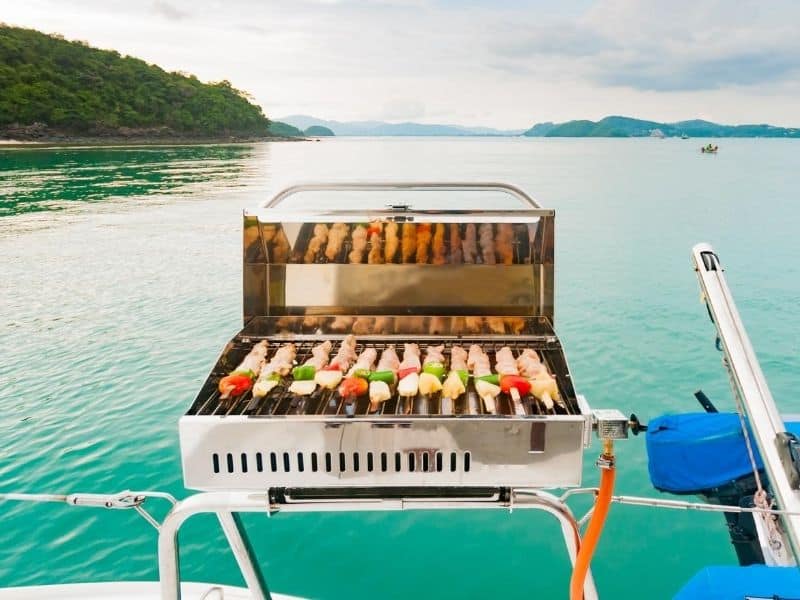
{"points": [[375, 256], [316, 243], [469, 245], [384, 376], [356, 383], [456, 252], [510, 381], [336, 236], [423, 243], [487, 244], [543, 385], [359, 237], [303, 375], [241, 379], [486, 384], [456, 382], [392, 242], [430, 380], [280, 365], [439, 249], [363, 325], [409, 244], [408, 374], [329, 376], [504, 243]]}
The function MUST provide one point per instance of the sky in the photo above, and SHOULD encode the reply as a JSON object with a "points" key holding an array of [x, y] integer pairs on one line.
{"points": [[502, 63]]}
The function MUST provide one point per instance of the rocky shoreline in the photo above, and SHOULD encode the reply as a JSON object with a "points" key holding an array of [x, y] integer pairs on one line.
{"points": [[41, 134]]}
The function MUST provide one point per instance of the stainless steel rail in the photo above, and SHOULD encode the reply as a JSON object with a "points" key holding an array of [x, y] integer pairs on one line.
{"points": [[750, 386], [396, 186]]}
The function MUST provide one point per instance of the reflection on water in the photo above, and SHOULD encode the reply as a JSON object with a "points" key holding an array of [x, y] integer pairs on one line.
{"points": [[39, 179]]}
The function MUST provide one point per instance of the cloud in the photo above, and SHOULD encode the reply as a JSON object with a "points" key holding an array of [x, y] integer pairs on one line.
{"points": [[164, 9], [398, 110]]}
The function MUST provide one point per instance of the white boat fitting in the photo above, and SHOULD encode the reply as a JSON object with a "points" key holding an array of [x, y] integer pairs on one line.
{"points": [[134, 590], [280, 454]]}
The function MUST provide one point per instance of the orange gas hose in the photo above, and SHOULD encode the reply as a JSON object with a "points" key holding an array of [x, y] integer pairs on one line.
{"points": [[595, 528]]}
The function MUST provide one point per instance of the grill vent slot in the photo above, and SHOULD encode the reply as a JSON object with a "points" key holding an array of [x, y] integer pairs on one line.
{"points": [[414, 461]]}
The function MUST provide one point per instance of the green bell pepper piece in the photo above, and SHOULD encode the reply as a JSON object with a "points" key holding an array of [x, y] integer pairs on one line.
{"points": [[463, 376], [494, 378], [434, 368], [304, 372], [385, 376]]}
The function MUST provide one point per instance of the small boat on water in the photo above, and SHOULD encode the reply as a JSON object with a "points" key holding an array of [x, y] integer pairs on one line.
{"points": [[684, 136], [445, 429], [709, 149]]}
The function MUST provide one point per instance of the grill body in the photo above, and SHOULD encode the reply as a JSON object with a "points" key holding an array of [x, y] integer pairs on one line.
{"points": [[409, 446]]}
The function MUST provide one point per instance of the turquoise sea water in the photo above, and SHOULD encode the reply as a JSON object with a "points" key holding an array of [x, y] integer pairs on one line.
{"points": [[121, 281]]}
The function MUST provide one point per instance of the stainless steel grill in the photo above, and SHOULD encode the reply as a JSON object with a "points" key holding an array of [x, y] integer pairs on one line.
{"points": [[454, 277]]}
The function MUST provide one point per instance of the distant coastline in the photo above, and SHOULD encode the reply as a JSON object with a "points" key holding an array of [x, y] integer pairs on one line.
{"points": [[611, 127]]}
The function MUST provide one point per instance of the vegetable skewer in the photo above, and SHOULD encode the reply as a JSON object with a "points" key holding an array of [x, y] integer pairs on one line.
{"points": [[242, 377], [304, 384]]}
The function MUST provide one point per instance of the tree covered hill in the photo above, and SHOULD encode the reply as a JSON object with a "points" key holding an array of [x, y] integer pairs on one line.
{"points": [[627, 127], [50, 86]]}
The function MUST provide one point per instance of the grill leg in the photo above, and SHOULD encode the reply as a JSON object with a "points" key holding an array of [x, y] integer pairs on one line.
{"points": [[245, 556]]}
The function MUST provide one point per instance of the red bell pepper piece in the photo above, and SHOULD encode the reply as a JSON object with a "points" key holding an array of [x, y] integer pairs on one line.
{"points": [[407, 371], [331, 367], [235, 385], [509, 382], [353, 387]]}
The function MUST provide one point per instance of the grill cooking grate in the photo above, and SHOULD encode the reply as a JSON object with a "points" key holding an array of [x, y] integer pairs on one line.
{"points": [[281, 403]]}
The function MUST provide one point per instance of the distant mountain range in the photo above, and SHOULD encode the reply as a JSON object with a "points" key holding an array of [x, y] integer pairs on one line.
{"points": [[608, 127], [382, 128]]}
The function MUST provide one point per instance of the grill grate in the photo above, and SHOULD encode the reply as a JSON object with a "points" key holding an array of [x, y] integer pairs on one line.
{"points": [[281, 403]]}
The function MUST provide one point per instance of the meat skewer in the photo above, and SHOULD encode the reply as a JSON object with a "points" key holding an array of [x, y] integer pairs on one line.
{"points": [[496, 325], [487, 244], [316, 243], [356, 383], [359, 237], [375, 256], [433, 371], [473, 324], [329, 376], [241, 379], [485, 381], [382, 325], [456, 382], [303, 375], [543, 385], [504, 243], [439, 249], [456, 252], [510, 381], [392, 242], [438, 326], [336, 236], [409, 372], [409, 245], [470, 244], [279, 366], [423, 243], [280, 248], [385, 375]]}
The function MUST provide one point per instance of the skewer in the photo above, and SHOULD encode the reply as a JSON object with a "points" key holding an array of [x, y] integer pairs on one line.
{"points": [[270, 377], [456, 383], [469, 245], [392, 242], [385, 375], [408, 375], [510, 380], [409, 245], [336, 237], [485, 382], [430, 380], [456, 252], [423, 243], [303, 375], [356, 383], [241, 379], [359, 241], [329, 376]]}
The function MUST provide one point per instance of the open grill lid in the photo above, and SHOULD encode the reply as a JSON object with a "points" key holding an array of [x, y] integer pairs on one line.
{"points": [[435, 269]]}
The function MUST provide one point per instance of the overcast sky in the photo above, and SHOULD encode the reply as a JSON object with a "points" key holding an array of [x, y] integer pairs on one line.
{"points": [[507, 63]]}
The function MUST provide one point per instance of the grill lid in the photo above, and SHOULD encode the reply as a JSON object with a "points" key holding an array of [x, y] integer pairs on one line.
{"points": [[405, 258]]}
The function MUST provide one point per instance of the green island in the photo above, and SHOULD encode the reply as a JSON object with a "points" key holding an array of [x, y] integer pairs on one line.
{"points": [[627, 127], [54, 90]]}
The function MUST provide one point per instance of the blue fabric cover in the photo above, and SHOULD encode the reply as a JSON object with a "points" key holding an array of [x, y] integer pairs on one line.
{"points": [[691, 452], [738, 583]]}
